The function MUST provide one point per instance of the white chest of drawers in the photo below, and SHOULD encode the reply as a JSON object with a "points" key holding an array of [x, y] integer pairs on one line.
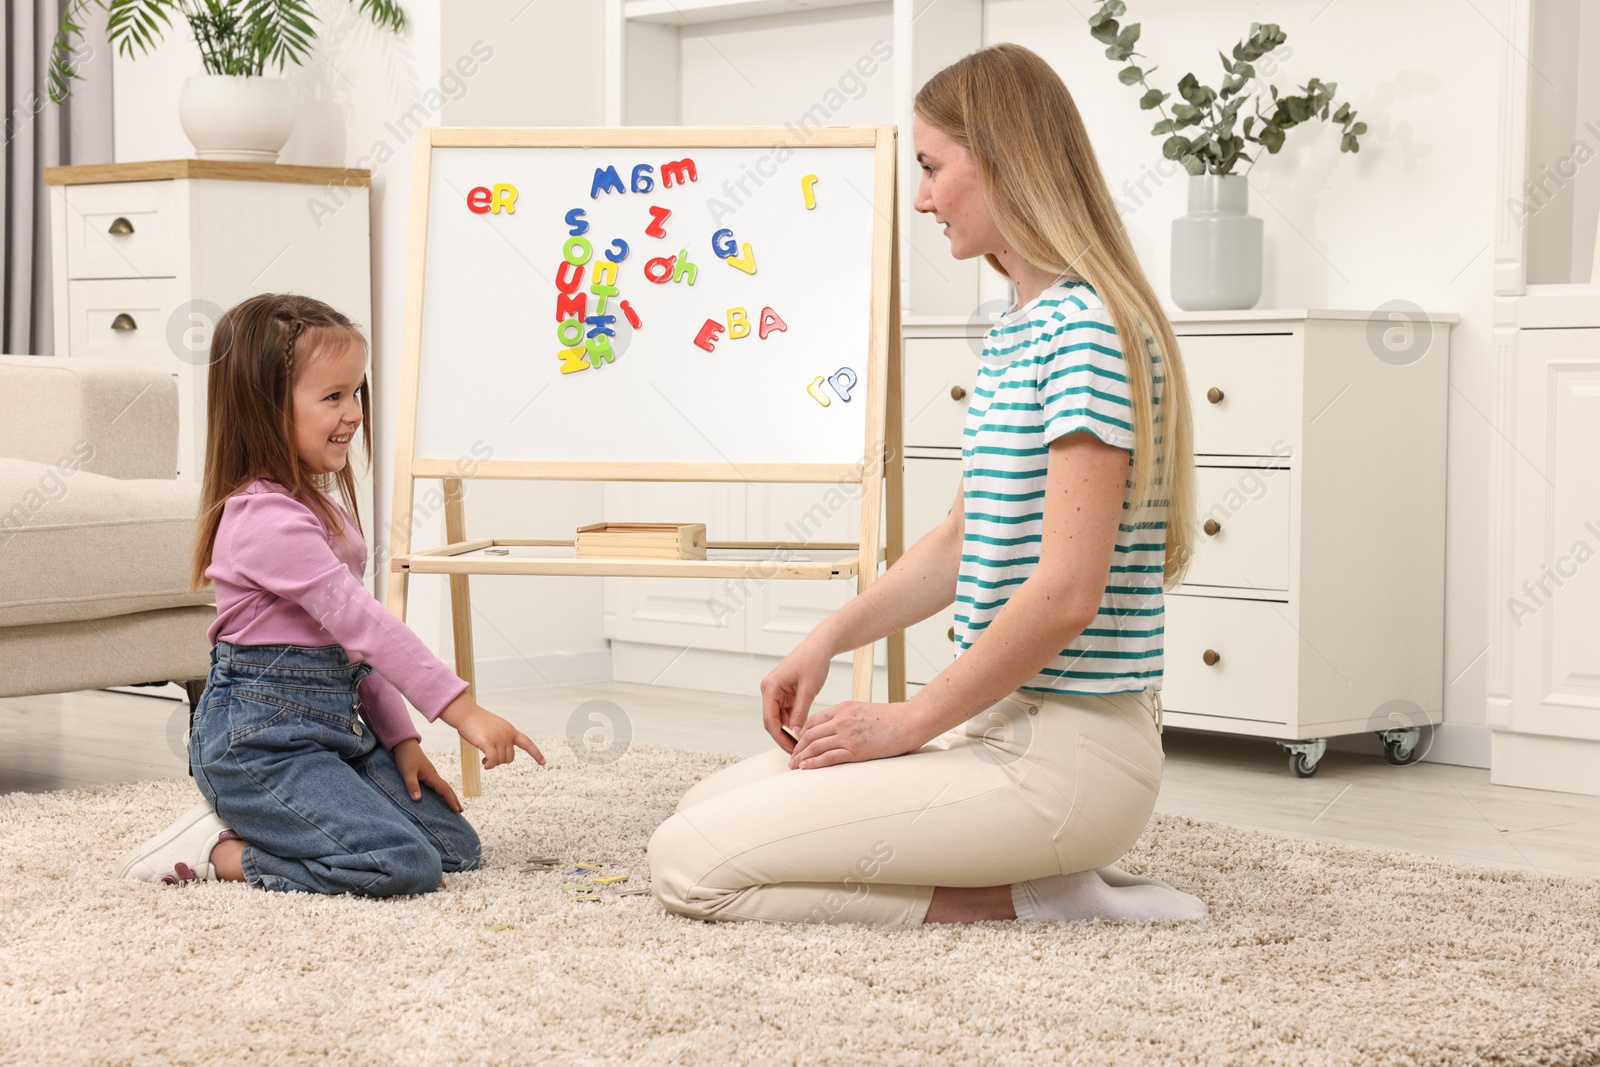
{"points": [[147, 255], [1315, 603]]}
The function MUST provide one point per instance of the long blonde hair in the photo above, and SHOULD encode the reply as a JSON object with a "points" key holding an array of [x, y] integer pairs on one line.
{"points": [[258, 348], [1044, 189]]}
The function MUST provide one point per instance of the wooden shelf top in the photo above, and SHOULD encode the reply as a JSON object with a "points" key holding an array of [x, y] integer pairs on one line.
{"points": [[163, 169], [828, 561]]}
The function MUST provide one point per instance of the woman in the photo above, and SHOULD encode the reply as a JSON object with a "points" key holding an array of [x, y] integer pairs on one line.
{"points": [[1006, 787]]}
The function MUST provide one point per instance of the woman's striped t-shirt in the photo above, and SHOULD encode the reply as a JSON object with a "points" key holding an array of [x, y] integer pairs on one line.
{"points": [[1050, 368]]}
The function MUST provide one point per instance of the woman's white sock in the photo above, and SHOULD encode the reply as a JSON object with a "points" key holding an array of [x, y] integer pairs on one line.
{"points": [[1090, 895]]}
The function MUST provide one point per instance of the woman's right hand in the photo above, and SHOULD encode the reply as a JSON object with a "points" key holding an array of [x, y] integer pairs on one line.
{"points": [[787, 692], [481, 728]]}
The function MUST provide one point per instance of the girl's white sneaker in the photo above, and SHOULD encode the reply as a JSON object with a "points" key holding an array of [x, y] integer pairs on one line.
{"points": [[179, 854]]}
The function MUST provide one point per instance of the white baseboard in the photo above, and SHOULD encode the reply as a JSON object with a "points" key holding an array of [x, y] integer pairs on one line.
{"points": [[547, 668]]}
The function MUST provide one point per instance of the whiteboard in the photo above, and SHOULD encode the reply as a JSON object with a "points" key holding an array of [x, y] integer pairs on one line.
{"points": [[492, 342]]}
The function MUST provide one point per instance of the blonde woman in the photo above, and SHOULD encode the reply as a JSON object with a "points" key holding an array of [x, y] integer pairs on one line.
{"points": [[1006, 787]]}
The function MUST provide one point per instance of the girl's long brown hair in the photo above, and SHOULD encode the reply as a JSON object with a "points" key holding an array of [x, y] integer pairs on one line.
{"points": [[258, 349], [1044, 188]]}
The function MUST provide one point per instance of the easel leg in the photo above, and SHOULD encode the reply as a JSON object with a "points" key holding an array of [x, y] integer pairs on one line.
{"points": [[455, 529]]}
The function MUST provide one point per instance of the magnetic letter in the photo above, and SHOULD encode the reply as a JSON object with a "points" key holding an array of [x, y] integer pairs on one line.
{"points": [[600, 351], [843, 380], [642, 180], [658, 270], [659, 215], [671, 172], [606, 180], [771, 322], [604, 274], [618, 251], [815, 389], [570, 333], [571, 306], [602, 326], [572, 359], [807, 188], [738, 324], [579, 224], [707, 337], [478, 201], [568, 277], [723, 244], [505, 196], [580, 243], [633, 316], [746, 263], [683, 266]]}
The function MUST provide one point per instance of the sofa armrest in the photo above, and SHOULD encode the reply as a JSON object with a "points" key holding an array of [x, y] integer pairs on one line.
{"points": [[116, 419]]}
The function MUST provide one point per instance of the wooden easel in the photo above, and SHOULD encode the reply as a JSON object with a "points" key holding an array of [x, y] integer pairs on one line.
{"points": [[879, 474]]}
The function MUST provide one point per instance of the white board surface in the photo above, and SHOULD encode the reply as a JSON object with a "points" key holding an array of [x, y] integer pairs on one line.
{"points": [[490, 361]]}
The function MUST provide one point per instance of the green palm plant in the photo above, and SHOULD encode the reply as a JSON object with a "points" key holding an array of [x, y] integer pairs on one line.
{"points": [[237, 37], [1215, 145]]}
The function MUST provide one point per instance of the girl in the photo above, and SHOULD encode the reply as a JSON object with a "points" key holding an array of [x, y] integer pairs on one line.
{"points": [[310, 767], [1006, 787]]}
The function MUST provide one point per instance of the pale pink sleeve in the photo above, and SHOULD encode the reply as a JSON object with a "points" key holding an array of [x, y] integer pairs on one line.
{"points": [[385, 711], [275, 543]]}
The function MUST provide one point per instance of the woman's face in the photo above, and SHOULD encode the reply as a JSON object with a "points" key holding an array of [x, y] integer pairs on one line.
{"points": [[952, 192]]}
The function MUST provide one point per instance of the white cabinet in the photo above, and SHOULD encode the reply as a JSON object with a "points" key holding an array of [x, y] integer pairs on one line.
{"points": [[1314, 605], [147, 256]]}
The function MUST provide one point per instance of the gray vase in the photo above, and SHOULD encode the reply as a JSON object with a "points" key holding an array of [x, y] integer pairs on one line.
{"points": [[1216, 247]]}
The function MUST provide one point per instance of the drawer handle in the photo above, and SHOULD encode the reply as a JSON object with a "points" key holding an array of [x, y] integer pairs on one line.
{"points": [[1211, 658], [120, 226], [951, 634], [957, 393], [1212, 527], [1214, 395], [124, 321]]}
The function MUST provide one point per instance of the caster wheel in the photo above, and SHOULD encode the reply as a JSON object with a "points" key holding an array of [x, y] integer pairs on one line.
{"points": [[1301, 766], [1392, 754]]}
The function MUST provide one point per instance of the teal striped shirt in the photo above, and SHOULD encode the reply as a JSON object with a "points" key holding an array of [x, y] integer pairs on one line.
{"points": [[1050, 368]]}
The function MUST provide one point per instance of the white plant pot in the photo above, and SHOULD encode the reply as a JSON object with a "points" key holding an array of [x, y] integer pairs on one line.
{"points": [[1216, 247], [239, 118]]}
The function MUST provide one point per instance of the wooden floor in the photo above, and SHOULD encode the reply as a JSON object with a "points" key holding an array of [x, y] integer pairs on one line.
{"points": [[73, 740]]}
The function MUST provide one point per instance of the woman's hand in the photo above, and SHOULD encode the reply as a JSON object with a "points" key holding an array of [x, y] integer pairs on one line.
{"points": [[787, 692], [852, 732], [417, 770], [497, 739]]}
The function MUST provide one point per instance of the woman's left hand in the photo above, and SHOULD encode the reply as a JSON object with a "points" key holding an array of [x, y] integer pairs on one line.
{"points": [[852, 732], [417, 770]]}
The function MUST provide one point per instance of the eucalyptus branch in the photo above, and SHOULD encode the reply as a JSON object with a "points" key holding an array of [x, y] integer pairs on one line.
{"points": [[1214, 147]]}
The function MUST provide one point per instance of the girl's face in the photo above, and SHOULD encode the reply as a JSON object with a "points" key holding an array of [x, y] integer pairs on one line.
{"points": [[952, 192], [327, 411]]}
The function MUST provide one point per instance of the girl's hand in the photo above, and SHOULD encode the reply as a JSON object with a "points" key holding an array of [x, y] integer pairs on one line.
{"points": [[497, 739], [852, 732], [787, 692], [417, 771]]}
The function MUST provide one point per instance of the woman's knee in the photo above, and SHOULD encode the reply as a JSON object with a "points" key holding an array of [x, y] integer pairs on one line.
{"points": [[670, 854]]}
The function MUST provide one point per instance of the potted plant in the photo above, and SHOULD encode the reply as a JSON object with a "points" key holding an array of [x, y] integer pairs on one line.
{"points": [[233, 110], [1216, 247]]}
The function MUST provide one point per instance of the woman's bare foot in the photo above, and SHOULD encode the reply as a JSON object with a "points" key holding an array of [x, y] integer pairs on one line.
{"points": [[961, 905]]}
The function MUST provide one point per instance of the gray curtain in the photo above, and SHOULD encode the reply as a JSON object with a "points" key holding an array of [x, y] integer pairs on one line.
{"points": [[40, 134]]}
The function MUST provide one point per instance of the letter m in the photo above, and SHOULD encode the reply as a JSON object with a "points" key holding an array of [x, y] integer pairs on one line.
{"points": [[606, 180], [682, 171]]}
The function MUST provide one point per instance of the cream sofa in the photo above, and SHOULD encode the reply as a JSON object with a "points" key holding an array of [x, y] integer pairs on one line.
{"points": [[95, 530]]}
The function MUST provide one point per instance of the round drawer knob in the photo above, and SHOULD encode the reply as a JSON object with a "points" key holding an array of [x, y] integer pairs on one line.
{"points": [[951, 634], [1214, 395], [1212, 527], [957, 393], [1211, 658], [124, 321], [120, 226]]}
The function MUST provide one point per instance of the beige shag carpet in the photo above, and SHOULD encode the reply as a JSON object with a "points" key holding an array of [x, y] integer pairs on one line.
{"points": [[1314, 954]]}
